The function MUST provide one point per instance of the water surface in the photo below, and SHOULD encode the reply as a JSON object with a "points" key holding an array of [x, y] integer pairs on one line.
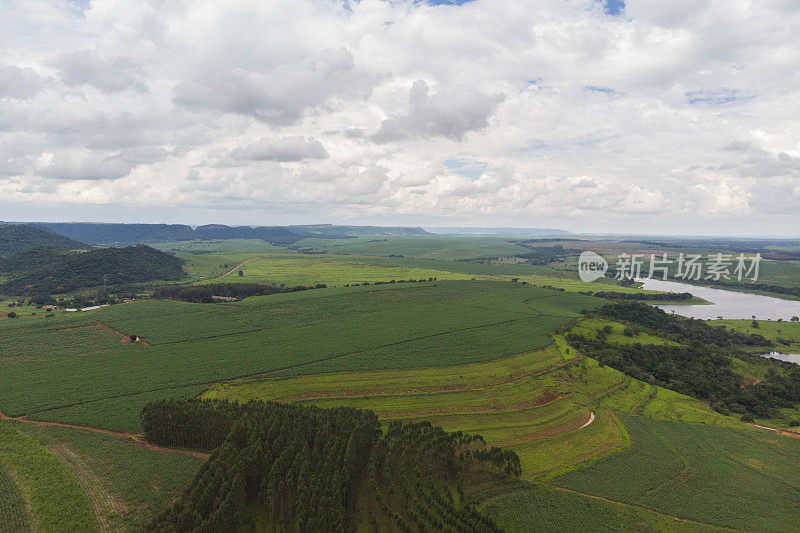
{"points": [[726, 304]]}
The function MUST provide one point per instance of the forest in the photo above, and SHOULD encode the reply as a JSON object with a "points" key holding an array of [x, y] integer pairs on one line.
{"points": [[48, 270], [303, 466]]}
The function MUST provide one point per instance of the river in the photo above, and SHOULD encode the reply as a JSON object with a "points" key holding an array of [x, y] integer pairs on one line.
{"points": [[725, 304]]}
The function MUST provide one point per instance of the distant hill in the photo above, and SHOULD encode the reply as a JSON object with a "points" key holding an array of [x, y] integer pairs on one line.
{"points": [[48, 270], [332, 231], [516, 232], [102, 234], [119, 234], [276, 235], [16, 238]]}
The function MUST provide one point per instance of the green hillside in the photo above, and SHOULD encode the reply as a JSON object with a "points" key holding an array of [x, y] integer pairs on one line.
{"points": [[48, 270], [15, 238]]}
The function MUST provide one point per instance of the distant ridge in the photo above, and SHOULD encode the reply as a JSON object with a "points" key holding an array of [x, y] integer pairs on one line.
{"points": [[15, 238], [328, 230], [110, 234], [516, 232]]}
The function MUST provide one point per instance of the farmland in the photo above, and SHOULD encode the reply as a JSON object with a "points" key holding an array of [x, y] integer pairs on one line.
{"points": [[539, 507], [687, 470], [471, 351], [536, 403], [423, 247], [56, 500], [347, 329]]}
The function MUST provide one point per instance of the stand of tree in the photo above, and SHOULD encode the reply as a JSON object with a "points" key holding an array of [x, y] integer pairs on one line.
{"points": [[658, 297], [701, 366], [302, 467], [47, 270], [205, 293]]}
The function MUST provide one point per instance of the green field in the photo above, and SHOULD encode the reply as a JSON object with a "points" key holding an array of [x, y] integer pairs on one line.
{"points": [[331, 270], [689, 471], [535, 403], [192, 345], [789, 331], [471, 351], [55, 498], [127, 484], [425, 246], [543, 508]]}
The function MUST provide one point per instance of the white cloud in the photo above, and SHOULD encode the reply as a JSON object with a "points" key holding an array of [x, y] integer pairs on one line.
{"points": [[493, 112], [295, 148]]}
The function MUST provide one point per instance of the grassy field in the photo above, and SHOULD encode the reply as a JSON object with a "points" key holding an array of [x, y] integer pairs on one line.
{"points": [[543, 508], [331, 270], [690, 471], [127, 484], [191, 345], [56, 499], [789, 331], [426, 247], [14, 514]]}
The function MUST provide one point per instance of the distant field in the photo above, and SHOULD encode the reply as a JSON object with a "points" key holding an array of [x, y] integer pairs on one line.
{"points": [[719, 476], [332, 270], [789, 331], [217, 246], [324, 330], [425, 247]]}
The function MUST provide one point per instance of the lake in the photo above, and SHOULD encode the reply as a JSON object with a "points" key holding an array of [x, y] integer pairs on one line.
{"points": [[726, 304]]}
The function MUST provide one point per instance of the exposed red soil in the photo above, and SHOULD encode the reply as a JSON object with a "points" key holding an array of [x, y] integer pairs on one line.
{"points": [[780, 431], [231, 271], [100, 325]]}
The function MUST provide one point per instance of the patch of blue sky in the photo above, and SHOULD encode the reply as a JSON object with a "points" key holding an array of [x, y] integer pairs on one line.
{"points": [[613, 7], [606, 90], [469, 168], [717, 96]]}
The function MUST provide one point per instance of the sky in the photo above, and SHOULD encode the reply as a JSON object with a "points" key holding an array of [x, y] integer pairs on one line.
{"points": [[637, 116]]}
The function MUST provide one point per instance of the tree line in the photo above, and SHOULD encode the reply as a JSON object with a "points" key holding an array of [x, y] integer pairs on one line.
{"points": [[204, 293]]}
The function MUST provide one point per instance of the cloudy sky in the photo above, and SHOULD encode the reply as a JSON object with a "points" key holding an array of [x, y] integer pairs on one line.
{"points": [[642, 116]]}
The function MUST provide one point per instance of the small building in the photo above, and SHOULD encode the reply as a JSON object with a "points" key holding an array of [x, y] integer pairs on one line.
{"points": [[224, 298]]}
